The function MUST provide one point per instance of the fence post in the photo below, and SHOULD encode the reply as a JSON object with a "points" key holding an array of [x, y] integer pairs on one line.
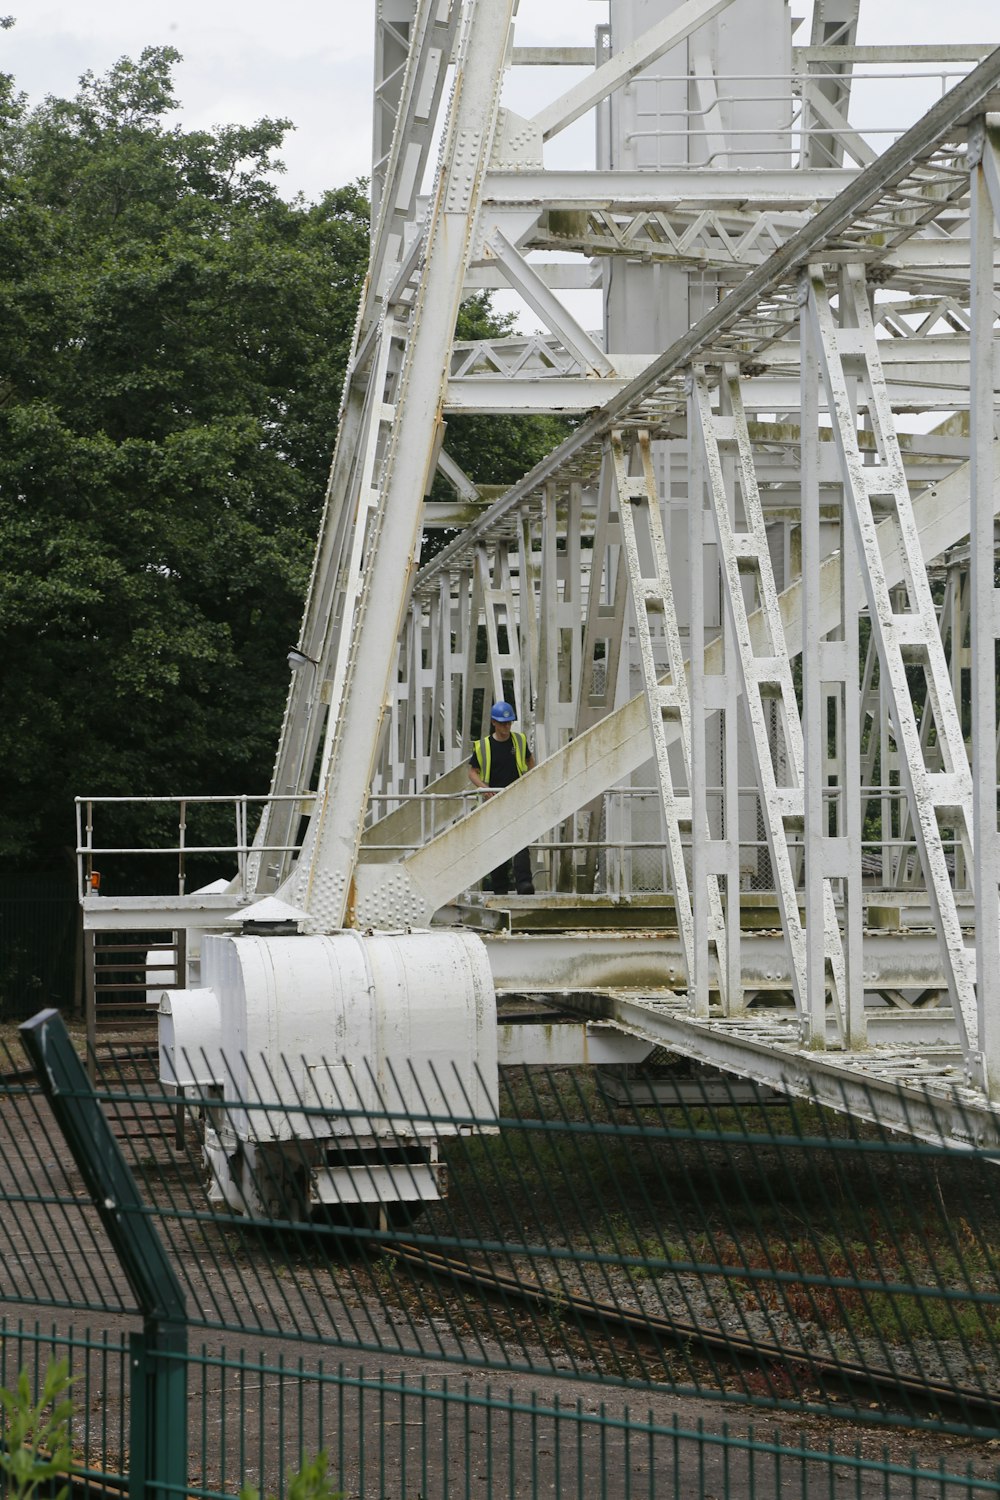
{"points": [[158, 1423]]}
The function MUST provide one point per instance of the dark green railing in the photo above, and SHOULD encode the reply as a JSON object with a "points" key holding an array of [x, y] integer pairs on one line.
{"points": [[585, 1313]]}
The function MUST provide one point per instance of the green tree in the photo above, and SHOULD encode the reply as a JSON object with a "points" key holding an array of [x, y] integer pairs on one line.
{"points": [[175, 342], [494, 449], [498, 449], [176, 337]]}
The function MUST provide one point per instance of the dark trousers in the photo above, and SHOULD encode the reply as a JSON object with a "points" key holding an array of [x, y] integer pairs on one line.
{"points": [[500, 877]]}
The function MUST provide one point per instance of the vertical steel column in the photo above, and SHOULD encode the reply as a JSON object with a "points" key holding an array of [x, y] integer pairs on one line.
{"points": [[605, 617], [548, 625], [605, 609], [423, 643], [90, 994], [560, 645], [158, 1447], [569, 618], [984, 159], [405, 762], [503, 663], [528, 593], [908, 637], [652, 595], [717, 854], [814, 727], [476, 674], [464, 624], [441, 710], [765, 671], [829, 682]]}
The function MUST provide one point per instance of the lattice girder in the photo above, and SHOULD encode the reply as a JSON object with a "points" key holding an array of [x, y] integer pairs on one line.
{"points": [[902, 636], [766, 678]]}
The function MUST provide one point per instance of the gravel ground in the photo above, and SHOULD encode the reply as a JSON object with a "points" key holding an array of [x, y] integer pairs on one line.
{"points": [[441, 1394]]}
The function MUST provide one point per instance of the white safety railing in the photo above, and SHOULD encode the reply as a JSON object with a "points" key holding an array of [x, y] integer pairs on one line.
{"points": [[883, 101], [182, 848], [629, 855]]}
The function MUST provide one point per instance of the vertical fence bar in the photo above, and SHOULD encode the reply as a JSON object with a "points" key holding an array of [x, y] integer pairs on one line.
{"points": [[158, 1418]]}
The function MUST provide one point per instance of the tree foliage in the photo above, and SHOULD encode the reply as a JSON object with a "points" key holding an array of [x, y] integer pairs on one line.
{"points": [[176, 337], [497, 449]]}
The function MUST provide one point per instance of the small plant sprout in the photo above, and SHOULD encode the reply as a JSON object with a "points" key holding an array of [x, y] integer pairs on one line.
{"points": [[36, 1435], [312, 1482]]}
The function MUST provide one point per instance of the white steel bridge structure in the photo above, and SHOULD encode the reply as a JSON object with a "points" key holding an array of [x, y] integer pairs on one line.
{"points": [[748, 610]]}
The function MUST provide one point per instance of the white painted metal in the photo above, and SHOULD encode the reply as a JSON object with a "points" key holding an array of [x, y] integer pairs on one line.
{"points": [[618, 744], [414, 40], [826, 85], [366, 1040], [524, 279], [387, 526], [831, 712], [653, 606], [773, 448], [715, 858], [775, 188], [902, 637], [190, 1038], [627, 63], [984, 159], [766, 676]]}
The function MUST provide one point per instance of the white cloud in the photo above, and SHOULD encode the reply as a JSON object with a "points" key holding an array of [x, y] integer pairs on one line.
{"points": [[304, 61], [311, 60]]}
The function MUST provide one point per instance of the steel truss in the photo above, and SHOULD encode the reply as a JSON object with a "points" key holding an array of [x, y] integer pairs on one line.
{"points": [[741, 609]]}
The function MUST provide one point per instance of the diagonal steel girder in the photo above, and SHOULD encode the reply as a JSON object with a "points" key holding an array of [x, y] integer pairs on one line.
{"points": [[609, 752], [903, 637], [416, 886], [432, 31], [878, 211], [388, 506]]}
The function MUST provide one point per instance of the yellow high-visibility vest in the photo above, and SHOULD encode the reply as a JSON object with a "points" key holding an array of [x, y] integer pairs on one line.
{"points": [[484, 756]]}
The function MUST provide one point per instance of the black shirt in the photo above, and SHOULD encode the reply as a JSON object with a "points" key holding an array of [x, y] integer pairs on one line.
{"points": [[503, 764]]}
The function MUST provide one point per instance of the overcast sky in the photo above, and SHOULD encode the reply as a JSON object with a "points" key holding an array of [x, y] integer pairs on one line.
{"points": [[311, 60]]}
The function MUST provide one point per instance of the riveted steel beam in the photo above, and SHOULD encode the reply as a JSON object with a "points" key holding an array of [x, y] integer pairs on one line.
{"points": [[765, 671], [386, 522], [907, 635], [984, 160]]}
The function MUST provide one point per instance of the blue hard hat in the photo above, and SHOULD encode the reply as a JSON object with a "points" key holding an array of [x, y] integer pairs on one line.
{"points": [[502, 713]]}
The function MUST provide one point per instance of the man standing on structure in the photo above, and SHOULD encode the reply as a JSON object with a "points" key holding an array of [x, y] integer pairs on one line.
{"points": [[500, 758]]}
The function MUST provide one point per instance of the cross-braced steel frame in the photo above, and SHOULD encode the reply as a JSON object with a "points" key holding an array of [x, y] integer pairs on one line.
{"points": [[748, 609]]}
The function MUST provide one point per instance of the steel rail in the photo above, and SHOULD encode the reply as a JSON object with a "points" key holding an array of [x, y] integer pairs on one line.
{"points": [[893, 180], [658, 1330]]}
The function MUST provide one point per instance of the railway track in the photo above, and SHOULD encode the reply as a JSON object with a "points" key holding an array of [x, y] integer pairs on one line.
{"points": [[809, 1374], [134, 1068], [830, 1377]]}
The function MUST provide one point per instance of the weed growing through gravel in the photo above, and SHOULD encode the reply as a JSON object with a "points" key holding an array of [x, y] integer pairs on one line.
{"points": [[36, 1434], [790, 1212], [311, 1482]]}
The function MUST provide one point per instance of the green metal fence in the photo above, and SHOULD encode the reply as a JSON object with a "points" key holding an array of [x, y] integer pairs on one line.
{"points": [[608, 1302]]}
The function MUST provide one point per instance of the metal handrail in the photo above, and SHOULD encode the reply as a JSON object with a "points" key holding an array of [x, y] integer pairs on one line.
{"points": [[618, 846], [86, 849]]}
